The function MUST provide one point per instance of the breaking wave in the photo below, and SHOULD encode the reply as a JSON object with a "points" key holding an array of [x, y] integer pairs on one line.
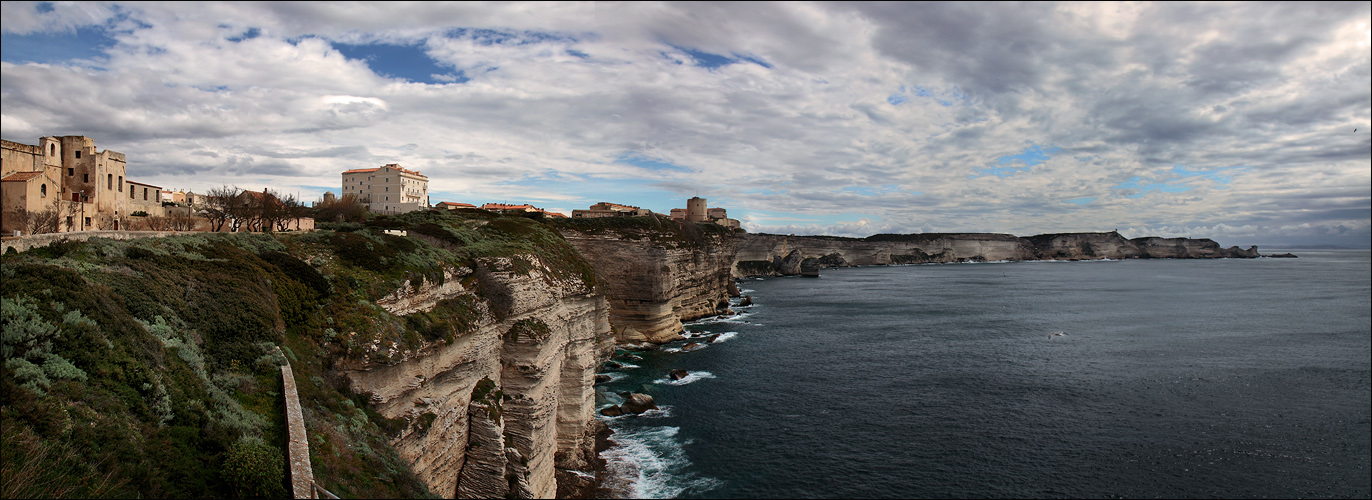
{"points": [[650, 463], [690, 377]]}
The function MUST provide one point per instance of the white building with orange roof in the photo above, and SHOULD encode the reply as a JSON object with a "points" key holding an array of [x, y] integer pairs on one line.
{"points": [[388, 189]]}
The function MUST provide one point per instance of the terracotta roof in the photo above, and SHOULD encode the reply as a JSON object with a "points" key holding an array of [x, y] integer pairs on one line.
{"points": [[502, 206], [449, 203], [21, 176]]}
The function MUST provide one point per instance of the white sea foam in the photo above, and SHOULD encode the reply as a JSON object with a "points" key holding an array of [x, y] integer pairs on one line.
{"points": [[724, 336], [616, 376], [737, 318], [626, 366], [690, 377], [649, 463]]}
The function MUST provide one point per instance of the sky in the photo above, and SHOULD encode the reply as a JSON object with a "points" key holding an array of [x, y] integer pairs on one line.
{"points": [[1247, 123]]}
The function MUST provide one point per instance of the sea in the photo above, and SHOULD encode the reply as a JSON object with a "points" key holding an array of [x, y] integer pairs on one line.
{"points": [[1172, 378]]}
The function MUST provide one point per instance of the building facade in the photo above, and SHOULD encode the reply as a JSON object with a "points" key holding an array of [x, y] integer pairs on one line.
{"points": [[697, 211], [89, 189], [388, 189], [607, 209]]}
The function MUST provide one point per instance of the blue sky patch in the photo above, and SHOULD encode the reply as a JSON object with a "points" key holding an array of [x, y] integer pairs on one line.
{"points": [[943, 98], [578, 53], [409, 62], [1012, 164], [246, 35], [1142, 188], [649, 163], [709, 60], [86, 42], [1081, 201], [1175, 176]]}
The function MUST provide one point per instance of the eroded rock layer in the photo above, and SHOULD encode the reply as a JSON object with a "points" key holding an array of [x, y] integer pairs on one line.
{"points": [[655, 283], [538, 353]]}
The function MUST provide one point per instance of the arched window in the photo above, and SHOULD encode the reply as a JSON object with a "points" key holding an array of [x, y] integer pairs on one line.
{"points": [[43, 189], [52, 150]]}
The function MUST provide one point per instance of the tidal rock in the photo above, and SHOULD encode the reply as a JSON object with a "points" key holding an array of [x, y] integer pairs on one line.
{"points": [[732, 290], [747, 301], [612, 411], [611, 365], [638, 403], [601, 378], [1283, 256], [711, 339], [678, 374], [691, 346]]}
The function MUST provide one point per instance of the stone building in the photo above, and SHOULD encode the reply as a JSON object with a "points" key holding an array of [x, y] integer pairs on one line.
{"points": [[88, 188], [696, 211], [388, 189], [607, 209]]}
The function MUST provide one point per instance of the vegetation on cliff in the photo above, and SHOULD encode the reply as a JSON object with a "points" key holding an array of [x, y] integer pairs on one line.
{"points": [[656, 228], [148, 367]]}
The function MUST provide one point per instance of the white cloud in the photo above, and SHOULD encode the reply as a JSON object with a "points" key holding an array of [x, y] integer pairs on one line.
{"points": [[1134, 89]]}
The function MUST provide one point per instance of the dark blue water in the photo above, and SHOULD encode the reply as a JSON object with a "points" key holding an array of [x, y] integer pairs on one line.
{"points": [[1177, 378]]}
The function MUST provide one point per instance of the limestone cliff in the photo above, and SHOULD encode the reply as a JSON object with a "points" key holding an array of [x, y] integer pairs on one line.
{"points": [[775, 255], [655, 272], [535, 341]]}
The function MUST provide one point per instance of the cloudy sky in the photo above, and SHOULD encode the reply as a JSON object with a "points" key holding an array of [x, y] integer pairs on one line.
{"points": [[1247, 123]]}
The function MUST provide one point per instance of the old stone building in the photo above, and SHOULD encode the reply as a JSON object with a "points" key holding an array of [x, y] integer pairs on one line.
{"points": [[88, 189], [607, 209], [696, 211], [388, 189]]}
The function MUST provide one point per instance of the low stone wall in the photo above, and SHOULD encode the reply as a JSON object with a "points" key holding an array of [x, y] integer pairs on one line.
{"points": [[22, 243]]}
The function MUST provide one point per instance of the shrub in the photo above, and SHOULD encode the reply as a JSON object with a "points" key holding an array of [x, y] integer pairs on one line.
{"points": [[255, 469]]}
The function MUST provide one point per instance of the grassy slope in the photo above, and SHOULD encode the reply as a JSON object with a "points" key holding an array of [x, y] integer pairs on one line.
{"points": [[132, 368]]}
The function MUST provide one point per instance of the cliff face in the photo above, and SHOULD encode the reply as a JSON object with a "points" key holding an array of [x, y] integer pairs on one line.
{"points": [[768, 254], [498, 409], [654, 282]]}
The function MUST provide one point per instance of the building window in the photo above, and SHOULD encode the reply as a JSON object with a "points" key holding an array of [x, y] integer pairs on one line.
{"points": [[52, 150], [71, 171], [85, 177], [43, 189], [130, 192], [145, 194], [109, 181], [121, 183], [78, 154]]}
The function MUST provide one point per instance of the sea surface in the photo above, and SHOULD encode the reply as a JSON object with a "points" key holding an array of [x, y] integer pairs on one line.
{"points": [[1176, 378]]}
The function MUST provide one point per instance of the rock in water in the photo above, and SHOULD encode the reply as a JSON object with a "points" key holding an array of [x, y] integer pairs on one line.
{"points": [[678, 374], [711, 339], [691, 346], [747, 301], [638, 403], [612, 411], [601, 378]]}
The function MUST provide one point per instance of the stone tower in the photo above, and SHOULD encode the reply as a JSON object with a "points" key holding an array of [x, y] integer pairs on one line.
{"points": [[695, 209]]}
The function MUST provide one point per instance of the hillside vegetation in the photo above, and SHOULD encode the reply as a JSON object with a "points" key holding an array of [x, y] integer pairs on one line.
{"points": [[149, 368]]}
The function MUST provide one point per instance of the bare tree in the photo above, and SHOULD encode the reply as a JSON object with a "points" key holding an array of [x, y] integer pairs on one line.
{"points": [[219, 205], [157, 223], [348, 207], [180, 220]]}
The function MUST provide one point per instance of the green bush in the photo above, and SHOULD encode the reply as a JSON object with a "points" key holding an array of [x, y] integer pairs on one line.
{"points": [[255, 469]]}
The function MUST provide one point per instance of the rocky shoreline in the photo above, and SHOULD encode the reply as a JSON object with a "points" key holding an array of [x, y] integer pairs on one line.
{"points": [[778, 255]]}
